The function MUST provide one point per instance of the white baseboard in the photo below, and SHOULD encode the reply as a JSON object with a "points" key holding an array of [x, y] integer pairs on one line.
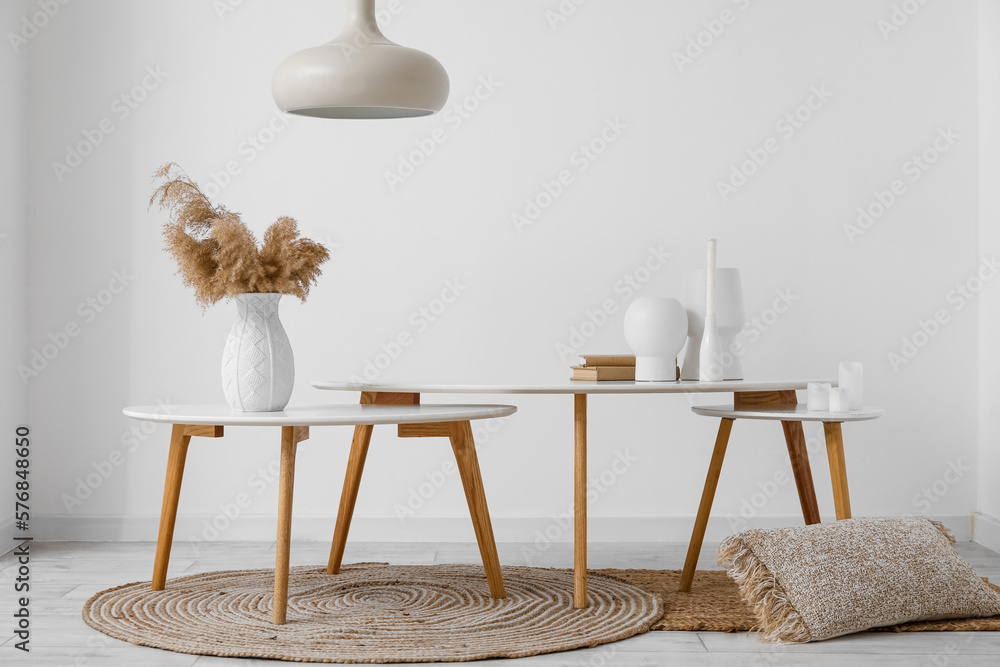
{"points": [[415, 529], [7, 536], [986, 531]]}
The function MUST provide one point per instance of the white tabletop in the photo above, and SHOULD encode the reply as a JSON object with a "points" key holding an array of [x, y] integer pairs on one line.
{"points": [[575, 387], [330, 415], [801, 413]]}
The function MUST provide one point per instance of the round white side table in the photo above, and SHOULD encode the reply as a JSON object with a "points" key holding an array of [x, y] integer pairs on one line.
{"points": [[787, 414], [208, 421]]}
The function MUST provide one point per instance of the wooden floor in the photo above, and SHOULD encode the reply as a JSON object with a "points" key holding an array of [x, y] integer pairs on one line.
{"points": [[65, 574]]}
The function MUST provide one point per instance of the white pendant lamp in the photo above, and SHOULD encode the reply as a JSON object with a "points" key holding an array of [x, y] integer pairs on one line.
{"points": [[360, 74]]}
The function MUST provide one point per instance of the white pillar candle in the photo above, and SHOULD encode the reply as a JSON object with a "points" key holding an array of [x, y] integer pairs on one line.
{"points": [[851, 378], [839, 400], [710, 277], [818, 397]]}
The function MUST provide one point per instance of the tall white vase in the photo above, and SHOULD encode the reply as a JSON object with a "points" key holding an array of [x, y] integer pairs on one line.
{"points": [[729, 316], [258, 370]]}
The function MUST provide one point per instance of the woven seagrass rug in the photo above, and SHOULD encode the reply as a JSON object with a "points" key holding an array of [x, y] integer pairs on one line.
{"points": [[374, 613], [714, 604]]}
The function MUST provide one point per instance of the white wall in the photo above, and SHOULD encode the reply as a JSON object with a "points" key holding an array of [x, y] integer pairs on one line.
{"points": [[394, 252], [989, 231], [13, 66]]}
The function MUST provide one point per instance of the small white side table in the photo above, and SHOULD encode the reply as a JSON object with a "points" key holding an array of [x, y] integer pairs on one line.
{"points": [[787, 414], [208, 421]]}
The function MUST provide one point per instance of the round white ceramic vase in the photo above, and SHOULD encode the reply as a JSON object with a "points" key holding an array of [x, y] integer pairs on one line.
{"points": [[258, 370], [655, 329]]}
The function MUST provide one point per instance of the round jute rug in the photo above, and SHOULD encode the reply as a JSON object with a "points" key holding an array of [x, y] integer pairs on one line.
{"points": [[374, 613]]}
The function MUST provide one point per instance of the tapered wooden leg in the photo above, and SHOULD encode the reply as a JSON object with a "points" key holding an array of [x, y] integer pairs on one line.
{"points": [[475, 495], [705, 508], [580, 501], [799, 457], [290, 438], [838, 469], [356, 466], [179, 442], [352, 482]]}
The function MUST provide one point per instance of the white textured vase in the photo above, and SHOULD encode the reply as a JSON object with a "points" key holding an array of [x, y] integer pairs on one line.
{"points": [[258, 370]]}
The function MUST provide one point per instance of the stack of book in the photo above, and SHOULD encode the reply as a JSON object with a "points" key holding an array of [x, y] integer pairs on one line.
{"points": [[605, 367]]}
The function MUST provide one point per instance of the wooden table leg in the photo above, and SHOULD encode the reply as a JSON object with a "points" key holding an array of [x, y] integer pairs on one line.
{"points": [[349, 496], [475, 495], [179, 442], [705, 508], [838, 469], [798, 454], [290, 438], [355, 467], [580, 502]]}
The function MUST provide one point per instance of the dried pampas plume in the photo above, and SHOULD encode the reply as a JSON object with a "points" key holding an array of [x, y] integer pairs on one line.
{"points": [[218, 255]]}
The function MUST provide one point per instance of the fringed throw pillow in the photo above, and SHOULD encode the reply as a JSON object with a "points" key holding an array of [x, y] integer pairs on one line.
{"points": [[826, 580]]}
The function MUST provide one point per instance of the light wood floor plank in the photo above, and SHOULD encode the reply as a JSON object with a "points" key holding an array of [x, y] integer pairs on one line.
{"points": [[130, 656], [871, 643], [66, 574]]}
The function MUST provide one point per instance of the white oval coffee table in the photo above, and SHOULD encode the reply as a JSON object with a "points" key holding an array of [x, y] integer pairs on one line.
{"points": [[790, 413], [745, 393], [451, 421]]}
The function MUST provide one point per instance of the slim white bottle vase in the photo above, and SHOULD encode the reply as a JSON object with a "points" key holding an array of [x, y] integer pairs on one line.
{"points": [[710, 355]]}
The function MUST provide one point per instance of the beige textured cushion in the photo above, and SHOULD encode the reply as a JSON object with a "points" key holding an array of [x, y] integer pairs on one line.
{"points": [[825, 580]]}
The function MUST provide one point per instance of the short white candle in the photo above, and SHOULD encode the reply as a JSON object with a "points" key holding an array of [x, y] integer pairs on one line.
{"points": [[818, 397], [851, 378], [710, 277], [839, 400]]}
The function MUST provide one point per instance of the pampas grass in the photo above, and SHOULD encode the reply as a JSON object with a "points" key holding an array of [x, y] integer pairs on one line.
{"points": [[218, 255]]}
